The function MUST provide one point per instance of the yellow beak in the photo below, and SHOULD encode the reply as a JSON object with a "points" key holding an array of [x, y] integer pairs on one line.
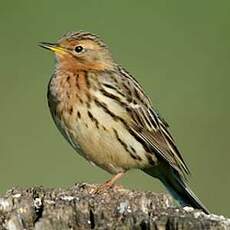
{"points": [[52, 46]]}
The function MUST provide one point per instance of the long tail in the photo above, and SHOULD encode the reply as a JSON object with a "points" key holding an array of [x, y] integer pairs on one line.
{"points": [[178, 189]]}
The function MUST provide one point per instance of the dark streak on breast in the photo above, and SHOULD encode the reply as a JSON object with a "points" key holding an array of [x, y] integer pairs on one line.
{"points": [[93, 119], [87, 80], [89, 99], [70, 110], [81, 101], [77, 83], [125, 146]]}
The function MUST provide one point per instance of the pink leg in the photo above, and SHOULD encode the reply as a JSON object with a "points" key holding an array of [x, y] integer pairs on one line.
{"points": [[108, 184]]}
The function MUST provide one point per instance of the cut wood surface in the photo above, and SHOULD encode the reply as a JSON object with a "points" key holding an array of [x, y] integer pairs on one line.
{"points": [[79, 208]]}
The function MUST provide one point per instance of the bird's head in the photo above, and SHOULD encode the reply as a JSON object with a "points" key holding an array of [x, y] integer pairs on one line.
{"points": [[81, 51]]}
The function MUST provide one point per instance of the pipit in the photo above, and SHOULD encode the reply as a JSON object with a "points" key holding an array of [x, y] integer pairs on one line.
{"points": [[105, 115]]}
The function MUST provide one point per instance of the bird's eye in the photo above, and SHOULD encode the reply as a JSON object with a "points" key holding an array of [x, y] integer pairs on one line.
{"points": [[78, 49]]}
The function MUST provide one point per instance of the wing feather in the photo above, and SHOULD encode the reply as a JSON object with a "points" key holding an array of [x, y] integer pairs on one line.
{"points": [[150, 127]]}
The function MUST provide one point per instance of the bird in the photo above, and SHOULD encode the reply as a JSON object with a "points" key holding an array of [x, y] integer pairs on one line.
{"points": [[105, 115]]}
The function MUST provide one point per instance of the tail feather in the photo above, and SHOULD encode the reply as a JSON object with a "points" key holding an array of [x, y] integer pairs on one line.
{"points": [[178, 189], [182, 193]]}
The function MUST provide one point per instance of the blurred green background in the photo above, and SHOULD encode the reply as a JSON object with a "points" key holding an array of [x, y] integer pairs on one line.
{"points": [[179, 50]]}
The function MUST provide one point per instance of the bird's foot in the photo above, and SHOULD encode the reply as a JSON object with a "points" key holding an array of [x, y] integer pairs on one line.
{"points": [[108, 184], [103, 187]]}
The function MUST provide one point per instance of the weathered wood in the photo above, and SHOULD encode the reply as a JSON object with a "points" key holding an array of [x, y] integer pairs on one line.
{"points": [[79, 208]]}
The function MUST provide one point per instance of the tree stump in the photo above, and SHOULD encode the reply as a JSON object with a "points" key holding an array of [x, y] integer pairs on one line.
{"points": [[79, 208]]}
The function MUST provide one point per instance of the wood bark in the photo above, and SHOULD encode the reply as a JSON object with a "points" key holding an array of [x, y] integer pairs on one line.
{"points": [[79, 208]]}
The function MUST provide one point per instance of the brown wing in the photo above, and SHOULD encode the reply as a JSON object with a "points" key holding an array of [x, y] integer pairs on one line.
{"points": [[149, 126]]}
